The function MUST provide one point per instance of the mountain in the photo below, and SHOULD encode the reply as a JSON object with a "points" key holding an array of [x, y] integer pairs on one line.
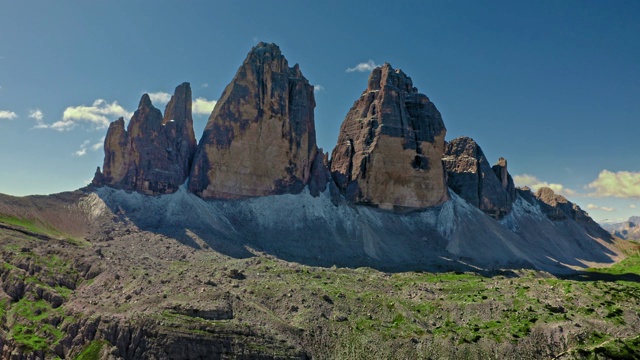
{"points": [[260, 139], [254, 244], [490, 189], [153, 155], [628, 230], [390, 146]]}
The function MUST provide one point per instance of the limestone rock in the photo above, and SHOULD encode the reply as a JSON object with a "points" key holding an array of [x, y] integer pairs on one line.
{"points": [[115, 153], [390, 146], [178, 123], [471, 177], [556, 206], [260, 138], [98, 178], [320, 174], [558, 209], [154, 154], [506, 181]]}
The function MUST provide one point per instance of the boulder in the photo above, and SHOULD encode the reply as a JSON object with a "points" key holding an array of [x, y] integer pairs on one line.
{"points": [[390, 146]]}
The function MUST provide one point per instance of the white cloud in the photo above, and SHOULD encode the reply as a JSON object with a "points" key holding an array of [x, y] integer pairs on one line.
{"points": [[621, 184], [159, 97], [205, 85], [98, 145], [633, 206], [534, 184], [7, 115], [363, 67], [83, 149], [603, 208], [98, 115], [60, 125], [202, 106], [318, 88], [38, 116]]}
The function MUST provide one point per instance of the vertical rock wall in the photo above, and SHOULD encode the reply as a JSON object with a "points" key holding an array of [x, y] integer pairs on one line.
{"points": [[390, 146], [260, 139]]}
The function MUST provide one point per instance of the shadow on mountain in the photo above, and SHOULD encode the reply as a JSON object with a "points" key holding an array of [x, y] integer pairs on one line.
{"points": [[598, 276], [313, 231]]}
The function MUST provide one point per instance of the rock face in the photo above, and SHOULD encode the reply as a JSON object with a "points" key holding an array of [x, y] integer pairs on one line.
{"points": [[558, 209], [471, 177], [260, 139], [506, 181], [390, 146], [178, 127], [154, 154]]}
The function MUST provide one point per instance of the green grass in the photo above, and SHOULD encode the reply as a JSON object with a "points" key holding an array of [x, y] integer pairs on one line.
{"points": [[630, 265], [39, 227], [52, 268], [30, 224], [92, 350], [31, 327], [4, 305]]}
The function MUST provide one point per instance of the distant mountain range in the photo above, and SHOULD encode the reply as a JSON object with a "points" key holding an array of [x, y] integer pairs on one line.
{"points": [[628, 230]]}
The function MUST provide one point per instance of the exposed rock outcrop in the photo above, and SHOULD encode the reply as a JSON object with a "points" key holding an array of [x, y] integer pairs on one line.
{"points": [[154, 154], [506, 181], [470, 176], [98, 178], [320, 174], [178, 127], [557, 208], [260, 138], [390, 146]]}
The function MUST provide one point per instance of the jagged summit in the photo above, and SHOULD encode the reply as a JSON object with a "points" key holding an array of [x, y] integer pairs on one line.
{"points": [[153, 155], [121, 274], [145, 102], [260, 139], [390, 146], [469, 175]]}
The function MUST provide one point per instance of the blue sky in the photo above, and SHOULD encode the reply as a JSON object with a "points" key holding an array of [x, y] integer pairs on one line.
{"points": [[551, 85]]}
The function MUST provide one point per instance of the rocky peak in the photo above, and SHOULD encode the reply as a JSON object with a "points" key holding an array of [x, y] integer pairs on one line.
{"points": [[385, 75], [506, 181], [390, 145], [260, 138], [153, 155], [558, 209], [471, 177], [145, 102], [178, 126]]}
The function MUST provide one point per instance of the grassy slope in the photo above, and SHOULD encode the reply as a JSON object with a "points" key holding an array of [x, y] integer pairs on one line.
{"points": [[346, 313]]}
